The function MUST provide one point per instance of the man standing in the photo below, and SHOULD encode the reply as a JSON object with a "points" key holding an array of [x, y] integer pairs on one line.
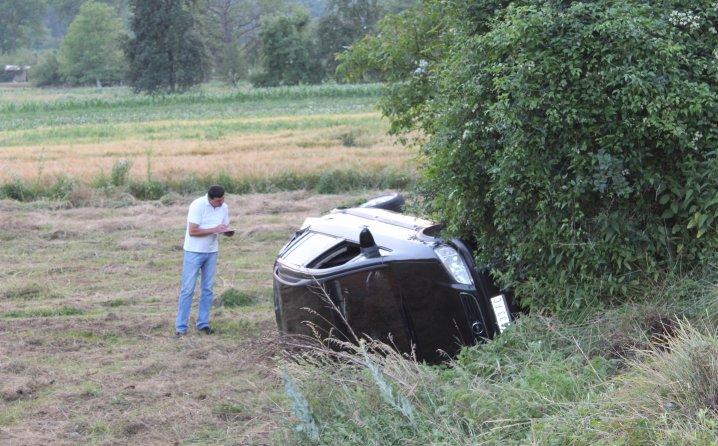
{"points": [[208, 217]]}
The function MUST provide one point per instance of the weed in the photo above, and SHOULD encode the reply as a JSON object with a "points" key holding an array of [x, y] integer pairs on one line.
{"points": [[148, 190], [120, 171], [235, 298], [300, 408], [90, 389], [349, 138]]}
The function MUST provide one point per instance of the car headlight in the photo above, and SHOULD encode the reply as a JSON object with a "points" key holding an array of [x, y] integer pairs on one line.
{"points": [[454, 264]]}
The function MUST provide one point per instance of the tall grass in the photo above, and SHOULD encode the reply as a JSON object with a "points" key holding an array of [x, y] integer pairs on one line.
{"points": [[65, 188], [610, 377]]}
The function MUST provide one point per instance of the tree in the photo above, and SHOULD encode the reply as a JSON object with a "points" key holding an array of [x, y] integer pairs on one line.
{"points": [[287, 51], [20, 24], [230, 24], [60, 13], [344, 22], [167, 52], [91, 52], [573, 141]]}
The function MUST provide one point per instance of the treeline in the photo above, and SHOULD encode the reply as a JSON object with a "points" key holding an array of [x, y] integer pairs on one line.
{"points": [[171, 44]]}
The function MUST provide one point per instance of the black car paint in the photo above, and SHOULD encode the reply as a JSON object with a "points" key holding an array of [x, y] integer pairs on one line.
{"points": [[404, 297]]}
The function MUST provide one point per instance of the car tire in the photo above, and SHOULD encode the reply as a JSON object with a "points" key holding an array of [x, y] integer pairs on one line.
{"points": [[391, 202]]}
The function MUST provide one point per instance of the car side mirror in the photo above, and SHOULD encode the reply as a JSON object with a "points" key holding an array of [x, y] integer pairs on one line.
{"points": [[367, 244]]}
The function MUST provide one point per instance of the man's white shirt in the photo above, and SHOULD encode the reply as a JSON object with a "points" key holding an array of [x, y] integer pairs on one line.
{"points": [[202, 213]]}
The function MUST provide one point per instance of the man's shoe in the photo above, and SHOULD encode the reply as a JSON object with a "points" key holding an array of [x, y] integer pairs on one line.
{"points": [[179, 334], [206, 330]]}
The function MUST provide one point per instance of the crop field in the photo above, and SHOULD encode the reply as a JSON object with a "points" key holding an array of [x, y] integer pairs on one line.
{"points": [[250, 136]]}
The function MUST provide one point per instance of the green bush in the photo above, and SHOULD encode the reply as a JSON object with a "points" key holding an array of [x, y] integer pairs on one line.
{"points": [[574, 141], [147, 190], [47, 71]]}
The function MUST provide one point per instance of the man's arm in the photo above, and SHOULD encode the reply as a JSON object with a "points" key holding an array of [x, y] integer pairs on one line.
{"points": [[195, 231]]}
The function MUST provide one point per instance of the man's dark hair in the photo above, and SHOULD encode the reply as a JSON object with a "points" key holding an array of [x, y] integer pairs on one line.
{"points": [[215, 192]]}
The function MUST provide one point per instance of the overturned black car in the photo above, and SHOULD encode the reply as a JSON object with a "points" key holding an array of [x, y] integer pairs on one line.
{"points": [[372, 272]]}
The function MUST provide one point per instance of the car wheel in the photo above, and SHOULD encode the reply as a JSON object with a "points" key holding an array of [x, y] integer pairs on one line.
{"points": [[391, 202]]}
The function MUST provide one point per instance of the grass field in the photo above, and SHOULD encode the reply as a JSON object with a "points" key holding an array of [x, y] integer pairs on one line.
{"points": [[87, 301], [246, 135], [89, 274]]}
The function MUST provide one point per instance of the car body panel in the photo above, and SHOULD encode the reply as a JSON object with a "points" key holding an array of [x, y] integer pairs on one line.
{"points": [[325, 285]]}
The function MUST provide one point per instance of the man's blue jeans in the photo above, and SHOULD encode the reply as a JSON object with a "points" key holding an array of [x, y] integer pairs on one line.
{"points": [[193, 263]]}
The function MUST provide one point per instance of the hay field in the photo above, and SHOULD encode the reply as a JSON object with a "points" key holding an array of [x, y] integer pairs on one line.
{"points": [[83, 133], [87, 304]]}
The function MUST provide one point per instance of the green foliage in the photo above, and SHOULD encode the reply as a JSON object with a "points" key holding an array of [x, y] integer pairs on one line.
{"points": [[234, 67], [575, 142], [20, 24], [343, 23], [59, 189], [287, 52], [235, 298], [147, 190], [167, 52], [47, 71], [601, 377], [120, 171], [91, 51], [329, 182]]}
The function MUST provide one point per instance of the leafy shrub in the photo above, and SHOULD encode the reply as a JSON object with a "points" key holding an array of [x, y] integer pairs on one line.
{"points": [[574, 141], [47, 71]]}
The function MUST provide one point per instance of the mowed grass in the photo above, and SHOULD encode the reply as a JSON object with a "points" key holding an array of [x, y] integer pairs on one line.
{"points": [[87, 304], [244, 133]]}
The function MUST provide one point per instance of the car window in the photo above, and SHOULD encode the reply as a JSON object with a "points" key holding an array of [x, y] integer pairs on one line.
{"points": [[309, 247]]}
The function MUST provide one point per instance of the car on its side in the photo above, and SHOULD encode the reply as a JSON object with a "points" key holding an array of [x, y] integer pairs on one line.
{"points": [[372, 272]]}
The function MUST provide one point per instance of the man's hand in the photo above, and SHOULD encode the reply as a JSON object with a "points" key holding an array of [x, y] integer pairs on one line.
{"points": [[195, 231]]}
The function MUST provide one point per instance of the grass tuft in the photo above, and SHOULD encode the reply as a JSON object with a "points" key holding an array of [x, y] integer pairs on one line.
{"points": [[236, 298]]}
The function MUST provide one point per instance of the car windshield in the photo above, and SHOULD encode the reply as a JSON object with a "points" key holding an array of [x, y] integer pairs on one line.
{"points": [[309, 247]]}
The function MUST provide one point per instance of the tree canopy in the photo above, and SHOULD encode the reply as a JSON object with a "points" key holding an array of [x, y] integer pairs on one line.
{"points": [[91, 52], [20, 23], [287, 51], [574, 141], [167, 52]]}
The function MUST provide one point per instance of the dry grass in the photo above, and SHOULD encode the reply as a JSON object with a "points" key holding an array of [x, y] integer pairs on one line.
{"points": [[242, 156], [110, 371]]}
